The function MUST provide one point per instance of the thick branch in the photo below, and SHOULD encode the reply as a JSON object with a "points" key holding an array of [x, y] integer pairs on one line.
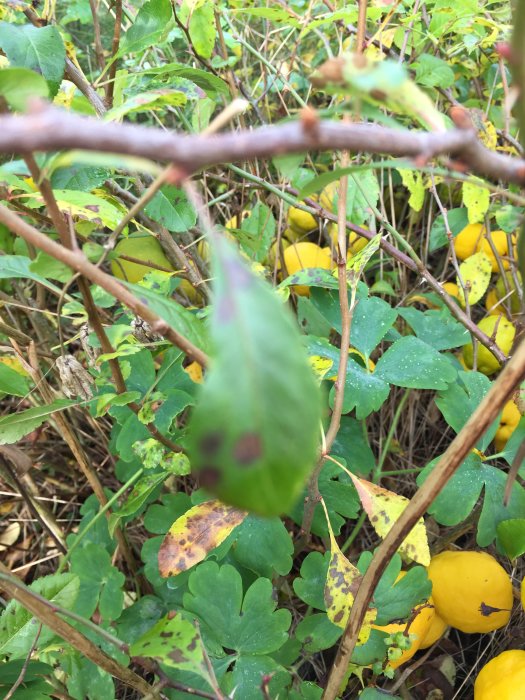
{"points": [[50, 129]]}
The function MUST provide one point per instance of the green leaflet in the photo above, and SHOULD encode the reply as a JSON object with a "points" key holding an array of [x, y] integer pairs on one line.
{"points": [[248, 453]]}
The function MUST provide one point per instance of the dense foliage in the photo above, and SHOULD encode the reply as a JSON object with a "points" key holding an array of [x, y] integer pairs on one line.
{"points": [[196, 467]]}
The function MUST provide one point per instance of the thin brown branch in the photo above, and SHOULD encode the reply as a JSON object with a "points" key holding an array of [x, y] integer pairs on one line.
{"points": [[114, 50], [50, 129], [499, 393], [77, 261]]}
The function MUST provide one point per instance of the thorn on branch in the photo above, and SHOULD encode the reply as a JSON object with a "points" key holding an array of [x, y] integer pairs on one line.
{"points": [[310, 122], [461, 117]]}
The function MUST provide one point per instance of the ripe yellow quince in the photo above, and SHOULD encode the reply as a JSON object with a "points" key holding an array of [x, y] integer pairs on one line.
{"points": [[505, 332]]}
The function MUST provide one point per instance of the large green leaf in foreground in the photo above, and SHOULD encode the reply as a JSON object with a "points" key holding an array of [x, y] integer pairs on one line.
{"points": [[254, 431]]}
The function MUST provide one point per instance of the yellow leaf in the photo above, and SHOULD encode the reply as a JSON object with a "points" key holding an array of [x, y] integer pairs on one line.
{"points": [[476, 199], [342, 581], [413, 181], [475, 272], [356, 264], [383, 509], [320, 366], [195, 372], [194, 534]]}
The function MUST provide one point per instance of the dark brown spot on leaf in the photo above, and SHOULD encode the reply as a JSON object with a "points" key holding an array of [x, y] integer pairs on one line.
{"points": [[248, 449], [211, 444]]}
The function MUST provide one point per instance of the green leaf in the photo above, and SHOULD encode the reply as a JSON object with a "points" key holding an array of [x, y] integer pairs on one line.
{"points": [[459, 401], [19, 85], [12, 382], [511, 537], [78, 177], [170, 207], [100, 583], [352, 445], [137, 498], [159, 518], [457, 500], [248, 673], [173, 313], [46, 266], [410, 362], [309, 586], [457, 220], [395, 600], [317, 632], [509, 217], [376, 694], [311, 277], [371, 320], [364, 391], [254, 457], [264, 546], [210, 83], [257, 232], [139, 617], [437, 328], [17, 625], [84, 205], [19, 267], [150, 28], [174, 642], [17, 425], [202, 29], [250, 626], [39, 48], [152, 100], [432, 71], [413, 181], [340, 498], [86, 679]]}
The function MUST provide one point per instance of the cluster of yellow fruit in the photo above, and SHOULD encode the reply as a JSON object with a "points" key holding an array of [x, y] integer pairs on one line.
{"points": [[475, 239], [148, 250], [472, 592]]}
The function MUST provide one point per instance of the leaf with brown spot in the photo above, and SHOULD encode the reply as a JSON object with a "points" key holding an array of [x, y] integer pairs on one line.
{"points": [[342, 581], [384, 508], [475, 274], [174, 642], [195, 534]]}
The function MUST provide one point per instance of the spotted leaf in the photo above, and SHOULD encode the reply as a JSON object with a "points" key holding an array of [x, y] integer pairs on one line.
{"points": [[477, 199], [174, 642], [320, 365], [253, 436], [342, 581], [475, 273], [384, 508], [195, 534]]}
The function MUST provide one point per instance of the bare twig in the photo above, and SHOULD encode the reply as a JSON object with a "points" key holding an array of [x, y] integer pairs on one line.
{"points": [[50, 129]]}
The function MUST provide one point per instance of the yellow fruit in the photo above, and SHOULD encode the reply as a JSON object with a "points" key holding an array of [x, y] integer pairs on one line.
{"points": [[474, 239], [419, 627], [301, 256], [437, 629], [234, 221], [327, 196], [500, 243], [471, 591], [355, 241], [510, 418], [273, 253], [293, 235], [503, 678], [301, 221], [467, 241], [194, 370], [452, 289], [145, 248], [492, 305], [512, 300], [505, 333]]}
